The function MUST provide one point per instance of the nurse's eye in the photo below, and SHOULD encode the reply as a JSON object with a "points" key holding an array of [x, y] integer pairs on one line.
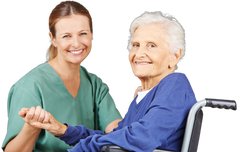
{"points": [[66, 36]]}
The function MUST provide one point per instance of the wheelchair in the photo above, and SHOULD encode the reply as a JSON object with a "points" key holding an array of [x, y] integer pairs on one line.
{"points": [[193, 125]]}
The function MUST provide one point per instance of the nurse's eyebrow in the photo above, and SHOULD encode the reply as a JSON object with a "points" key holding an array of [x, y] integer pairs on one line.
{"points": [[78, 32]]}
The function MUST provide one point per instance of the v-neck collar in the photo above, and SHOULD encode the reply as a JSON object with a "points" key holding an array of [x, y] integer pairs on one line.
{"points": [[60, 83], [149, 97]]}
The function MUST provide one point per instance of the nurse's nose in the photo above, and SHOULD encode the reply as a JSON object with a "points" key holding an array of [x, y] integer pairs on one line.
{"points": [[76, 42]]}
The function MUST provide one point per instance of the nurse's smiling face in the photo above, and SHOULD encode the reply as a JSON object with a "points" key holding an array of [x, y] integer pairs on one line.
{"points": [[73, 38], [150, 56]]}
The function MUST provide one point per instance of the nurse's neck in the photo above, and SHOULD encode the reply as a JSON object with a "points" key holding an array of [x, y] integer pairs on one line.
{"points": [[65, 69]]}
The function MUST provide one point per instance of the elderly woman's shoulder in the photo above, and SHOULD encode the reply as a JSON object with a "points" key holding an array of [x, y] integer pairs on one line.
{"points": [[177, 76], [178, 79]]}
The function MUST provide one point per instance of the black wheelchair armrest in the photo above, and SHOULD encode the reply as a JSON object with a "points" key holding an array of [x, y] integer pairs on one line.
{"points": [[113, 148]]}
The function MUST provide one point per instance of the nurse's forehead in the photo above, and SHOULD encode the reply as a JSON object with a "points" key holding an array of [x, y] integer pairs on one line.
{"points": [[73, 27], [74, 23]]}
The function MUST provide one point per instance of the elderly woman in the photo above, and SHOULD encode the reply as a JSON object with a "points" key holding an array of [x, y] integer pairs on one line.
{"points": [[60, 86], [156, 117]]}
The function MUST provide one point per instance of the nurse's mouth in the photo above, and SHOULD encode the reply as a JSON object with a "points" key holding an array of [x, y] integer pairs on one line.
{"points": [[76, 52]]}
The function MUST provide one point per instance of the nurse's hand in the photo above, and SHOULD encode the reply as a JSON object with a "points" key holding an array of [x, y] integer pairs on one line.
{"points": [[39, 118], [139, 89], [31, 115]]}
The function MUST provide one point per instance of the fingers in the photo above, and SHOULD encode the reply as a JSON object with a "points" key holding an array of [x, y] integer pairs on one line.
{"points": [[41, 116], [37, 113], [25, 109], [41, 125], [33, 114], [23, 112], [30, 114], [50, 124], [139, 88], [47, 117]]}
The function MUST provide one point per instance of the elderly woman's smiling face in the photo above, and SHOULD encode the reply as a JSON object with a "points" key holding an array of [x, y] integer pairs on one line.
{"points": [[150, 56]]}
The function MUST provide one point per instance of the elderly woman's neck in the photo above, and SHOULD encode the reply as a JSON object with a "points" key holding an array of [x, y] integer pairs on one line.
{"points": [[147, 85], [150, 82]]}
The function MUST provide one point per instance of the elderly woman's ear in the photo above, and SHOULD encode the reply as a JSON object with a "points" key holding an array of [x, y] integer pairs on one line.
{"points": [[175, 57]]}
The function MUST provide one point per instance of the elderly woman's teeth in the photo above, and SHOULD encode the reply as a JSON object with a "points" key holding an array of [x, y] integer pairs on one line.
{"points": [[142, 62]]}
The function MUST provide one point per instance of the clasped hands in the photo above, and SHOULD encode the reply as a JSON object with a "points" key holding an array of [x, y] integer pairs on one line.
{"points": [[39, 118]]}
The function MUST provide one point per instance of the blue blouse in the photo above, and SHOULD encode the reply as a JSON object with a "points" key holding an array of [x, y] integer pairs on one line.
{"points": [[158, 121]]}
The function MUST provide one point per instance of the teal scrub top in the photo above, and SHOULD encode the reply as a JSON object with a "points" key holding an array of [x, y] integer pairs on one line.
{"points": [[93, 106]]}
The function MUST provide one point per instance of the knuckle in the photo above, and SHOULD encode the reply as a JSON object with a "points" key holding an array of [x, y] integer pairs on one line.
{"points": [[30, 114], [40, 118], [39, 108]]}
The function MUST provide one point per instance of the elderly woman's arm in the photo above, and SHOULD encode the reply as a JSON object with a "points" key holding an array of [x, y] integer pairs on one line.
{"points": [[152, 131], [162, 125], [40, 119]]}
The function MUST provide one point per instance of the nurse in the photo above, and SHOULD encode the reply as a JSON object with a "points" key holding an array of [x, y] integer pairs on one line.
{"points": [[60, 86]]}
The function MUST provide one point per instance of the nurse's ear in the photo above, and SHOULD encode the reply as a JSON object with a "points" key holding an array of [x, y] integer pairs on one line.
{"points": [[53, 39]]}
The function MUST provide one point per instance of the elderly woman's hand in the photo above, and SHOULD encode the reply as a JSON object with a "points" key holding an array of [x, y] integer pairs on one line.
{"points": [[39, 118]]}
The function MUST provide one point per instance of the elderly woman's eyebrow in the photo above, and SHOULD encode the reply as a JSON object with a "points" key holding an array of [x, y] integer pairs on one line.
{"points": [[145, 42]]}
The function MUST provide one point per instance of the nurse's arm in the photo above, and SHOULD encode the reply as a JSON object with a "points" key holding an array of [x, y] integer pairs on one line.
{"points": [[112, 125], [25, 140]]}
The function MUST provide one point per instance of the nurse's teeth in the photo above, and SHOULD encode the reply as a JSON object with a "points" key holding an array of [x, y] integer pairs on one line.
{"points": [[76, 52]]}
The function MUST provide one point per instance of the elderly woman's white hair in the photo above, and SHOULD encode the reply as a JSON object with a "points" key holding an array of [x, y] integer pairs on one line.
{"points": [[174, 31]]}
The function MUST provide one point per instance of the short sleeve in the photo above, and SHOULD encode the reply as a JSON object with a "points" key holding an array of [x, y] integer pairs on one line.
{"points": [[19, 97], [107, 110]]}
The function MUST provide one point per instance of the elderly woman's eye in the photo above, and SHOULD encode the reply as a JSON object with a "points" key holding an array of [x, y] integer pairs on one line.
{"points": [[83, 34], [151, 45], [135, 45]]}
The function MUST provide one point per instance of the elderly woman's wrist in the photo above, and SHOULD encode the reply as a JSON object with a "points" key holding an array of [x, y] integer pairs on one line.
{"points": [[64, 129]]}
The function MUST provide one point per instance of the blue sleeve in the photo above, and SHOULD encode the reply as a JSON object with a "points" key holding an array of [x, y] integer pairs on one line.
{"points": [[74, 134], [161, 126], [120, 124]]}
